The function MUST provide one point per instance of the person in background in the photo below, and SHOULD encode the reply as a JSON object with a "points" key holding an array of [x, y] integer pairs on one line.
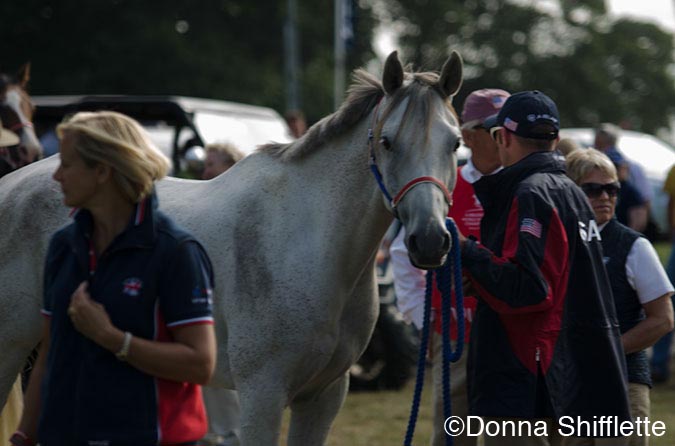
{"points": [[50, 143], [566, 146], [219, 158], [661, 353], [545, 311], [222, 405], [296, 122], [631, 208], [128, 335], [410, 282], [606, 139], [640, 286]]}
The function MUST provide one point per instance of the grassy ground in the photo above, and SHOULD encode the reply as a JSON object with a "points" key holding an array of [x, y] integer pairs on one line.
{"points": [[381, 418]]}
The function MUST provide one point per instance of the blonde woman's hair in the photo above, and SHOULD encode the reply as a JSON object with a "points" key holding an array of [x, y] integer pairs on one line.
{"points": [[580, 163], [117, 141]]}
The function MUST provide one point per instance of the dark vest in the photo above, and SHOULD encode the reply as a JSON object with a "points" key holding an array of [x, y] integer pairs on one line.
{"points": [[617, 241]]}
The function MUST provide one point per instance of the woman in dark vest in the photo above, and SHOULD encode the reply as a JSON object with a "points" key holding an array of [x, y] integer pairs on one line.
{"points": [[640, 285]]}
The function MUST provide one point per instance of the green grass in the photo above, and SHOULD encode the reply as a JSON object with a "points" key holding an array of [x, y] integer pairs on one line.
{"points": [[378, 418], [381, 418], [663, 250]]}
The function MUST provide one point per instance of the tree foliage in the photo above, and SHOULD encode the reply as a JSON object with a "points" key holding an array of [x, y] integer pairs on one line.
{"points": [[597, 70], [225, 49]]}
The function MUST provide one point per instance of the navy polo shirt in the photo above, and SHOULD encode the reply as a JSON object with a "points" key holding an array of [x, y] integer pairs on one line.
{"points": [[153, 277]]}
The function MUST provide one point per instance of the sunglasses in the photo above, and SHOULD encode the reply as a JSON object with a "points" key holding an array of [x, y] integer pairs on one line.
{"points": [[595, 190], [493, 132]]}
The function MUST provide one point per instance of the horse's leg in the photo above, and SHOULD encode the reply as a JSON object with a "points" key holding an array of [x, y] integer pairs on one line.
{"points": [[20, 328], [17, 344], [311, 419], [262, 399], [10, 367]]}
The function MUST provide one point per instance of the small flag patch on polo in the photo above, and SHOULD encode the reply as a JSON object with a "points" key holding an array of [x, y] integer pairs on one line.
{"points": [[531, 226], [132, 286]]}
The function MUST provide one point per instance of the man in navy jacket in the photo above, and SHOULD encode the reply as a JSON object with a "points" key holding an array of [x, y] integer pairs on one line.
{"points": [[545, 341]]}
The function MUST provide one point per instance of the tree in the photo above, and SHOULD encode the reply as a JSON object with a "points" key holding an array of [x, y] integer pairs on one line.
{"points": [[225, 49], [596, 70]]}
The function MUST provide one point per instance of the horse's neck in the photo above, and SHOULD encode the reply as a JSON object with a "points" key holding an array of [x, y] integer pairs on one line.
{"points": [[352, 197]]}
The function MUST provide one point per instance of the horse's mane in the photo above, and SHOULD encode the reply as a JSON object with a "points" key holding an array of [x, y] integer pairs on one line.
{"points": [[363, 95]]}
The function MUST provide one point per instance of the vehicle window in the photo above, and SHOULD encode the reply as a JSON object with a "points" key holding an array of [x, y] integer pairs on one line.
{"points": [[161, 134], [654, 156], [244, 131]]}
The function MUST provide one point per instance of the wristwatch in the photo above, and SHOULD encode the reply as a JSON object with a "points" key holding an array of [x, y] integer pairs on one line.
{"points": [[124, 351]]}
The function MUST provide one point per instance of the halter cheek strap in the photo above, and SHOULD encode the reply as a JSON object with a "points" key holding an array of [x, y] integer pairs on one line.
{"points": [[411, 184]]}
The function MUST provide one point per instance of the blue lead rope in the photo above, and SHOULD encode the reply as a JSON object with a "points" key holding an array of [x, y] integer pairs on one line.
{"points": [[444, 276]]}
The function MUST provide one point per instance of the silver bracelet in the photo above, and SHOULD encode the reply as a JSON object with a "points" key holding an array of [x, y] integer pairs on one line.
{"points": [[124, 351]]}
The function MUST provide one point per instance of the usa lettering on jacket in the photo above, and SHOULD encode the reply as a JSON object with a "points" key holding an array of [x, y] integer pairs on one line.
{"points": [[589, 231]]}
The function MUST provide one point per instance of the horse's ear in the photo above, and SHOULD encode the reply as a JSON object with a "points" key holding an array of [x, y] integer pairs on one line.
{"points": [[393, 74], [451, 75], [23, 75]]}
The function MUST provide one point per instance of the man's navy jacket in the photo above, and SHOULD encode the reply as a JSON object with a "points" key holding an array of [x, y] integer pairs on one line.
{"points": [[545, 307]]}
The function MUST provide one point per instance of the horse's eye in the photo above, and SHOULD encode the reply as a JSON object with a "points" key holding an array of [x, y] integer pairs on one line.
{"points": [[385, 143], [458, 143]]}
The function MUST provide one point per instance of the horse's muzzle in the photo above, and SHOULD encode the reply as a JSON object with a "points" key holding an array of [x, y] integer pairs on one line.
{"points": [[430, 250]]}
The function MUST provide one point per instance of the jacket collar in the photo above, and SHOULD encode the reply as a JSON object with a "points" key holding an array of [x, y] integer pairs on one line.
{"points": [[471, 174], [501, 186], [140, 231]]}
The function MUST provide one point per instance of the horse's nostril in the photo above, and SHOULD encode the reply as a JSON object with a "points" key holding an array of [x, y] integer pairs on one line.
{"points": [[412, 243], [446, 242]]}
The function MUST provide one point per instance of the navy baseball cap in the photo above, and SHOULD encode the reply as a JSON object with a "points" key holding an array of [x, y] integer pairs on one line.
{"points": [[526, 114]]}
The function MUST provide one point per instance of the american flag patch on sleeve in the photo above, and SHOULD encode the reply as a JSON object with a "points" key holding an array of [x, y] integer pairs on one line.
{"points": [[531, 226]]}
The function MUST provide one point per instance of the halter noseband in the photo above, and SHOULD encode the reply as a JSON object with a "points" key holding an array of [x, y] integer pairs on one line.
{"points": [[393, 202]]}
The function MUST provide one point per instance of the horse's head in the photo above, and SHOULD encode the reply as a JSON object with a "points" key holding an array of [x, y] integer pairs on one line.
{"points": [[16, 113], [414, 138]]}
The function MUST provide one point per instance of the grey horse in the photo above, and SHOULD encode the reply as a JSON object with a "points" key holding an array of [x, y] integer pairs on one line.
{"points": [[292, 231]]}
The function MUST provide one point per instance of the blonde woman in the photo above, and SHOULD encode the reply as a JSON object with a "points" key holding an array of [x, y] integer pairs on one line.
{"points": [[128, 334], [639, 283]]}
